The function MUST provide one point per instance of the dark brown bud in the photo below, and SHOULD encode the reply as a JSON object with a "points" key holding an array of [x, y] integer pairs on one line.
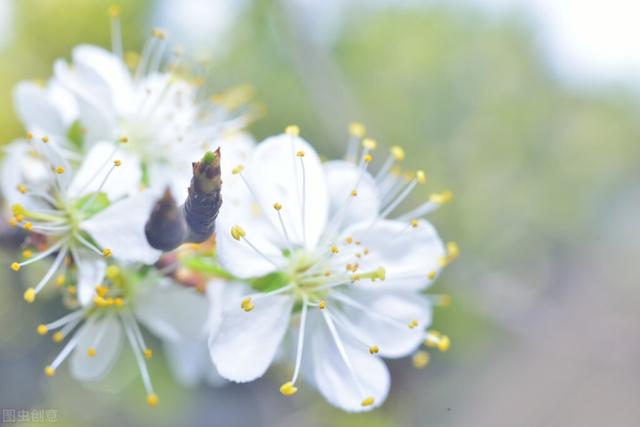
{"points": [[166, 228], [203, 203]]}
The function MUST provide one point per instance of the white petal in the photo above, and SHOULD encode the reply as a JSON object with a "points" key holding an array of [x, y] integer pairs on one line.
{"points": [[36, 111], [19, 166], [247, 342], [109, 330], [172, 312], [123, 180], [407, 254], [235, 149], [385, 321], [189, 361], [342, 178], [276, 175], [221, 295], [91, 269], [120, 228], [336, 381]]}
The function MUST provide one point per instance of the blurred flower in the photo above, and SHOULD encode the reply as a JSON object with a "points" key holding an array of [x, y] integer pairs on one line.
{"points": [[171, 312], [351, 278], [82, 214]]}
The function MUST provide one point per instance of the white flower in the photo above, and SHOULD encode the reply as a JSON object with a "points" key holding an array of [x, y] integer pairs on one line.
{"points": [[170, 312], [85, 214], [166, 120], [342, 279]]}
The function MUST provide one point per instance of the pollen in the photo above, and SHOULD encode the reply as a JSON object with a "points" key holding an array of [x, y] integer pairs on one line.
{"points": [[45, 139], [334, 249], [398, 153], [72, 290], [59, 170], [414, 223], [113, 272], [152, 399], [114, 11], [453, 251], [106, 252], [348, 240], [292, 130], [247, 305], [367, 158], [57, 337], [368, 401], [374, 349], [237, 232], [322, 305], [117, 163], [123, 139], [354, 193], [432, 275], [300, 153], [421, 177], [91, 352], [15, 266], [277, 206], [22, 188], [29, 136], [444, 300], [441, 198], [42, 330], [288, 389], [19, 218], [13, 222], [99, 302], [29, 295], [49, 371], [444, 343], [159, 34], [28, 226], [119, 302], [421, 359], [102, 290], [17, 209], [357, 129], [148, 353], [413, 324], [369, 144], [238, 169], [27, 253]]}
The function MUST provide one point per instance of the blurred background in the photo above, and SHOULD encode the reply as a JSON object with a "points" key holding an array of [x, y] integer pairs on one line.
{"points": [[527, 110]]}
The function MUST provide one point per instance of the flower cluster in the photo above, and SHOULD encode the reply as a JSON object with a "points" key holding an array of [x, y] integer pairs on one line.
{"points": [[311, 265]]}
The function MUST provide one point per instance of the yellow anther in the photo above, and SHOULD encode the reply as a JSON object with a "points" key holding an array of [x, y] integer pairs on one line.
{"points": [[13, 222], [413, 324], [334, 249], [444, 343], [300, 153], [292, 130], [247, 305], [15, 266], [238, 169], [421, 177], [414, 223], [27, 253], [367, 158], [398, 153], [102, 290], [159, 34], [43, 330], [99, 302], [288, 389], [357, 129], [432, 339], [444, 300], [352, 267], [28, 226], [72, 290], [49, 371], [432, 275], [368, 401], [91, 352], [113, 272], [443, 261], [57, 337], [19, 217], [114, 11], [109, 301], [22, 188], [106, 252], [327, 273], [59, 170], [152, 399], [354, 193], [123, 139], [17, 209], [322, 305], [355, 277], [45, 139], [453, 251], [237, 232], [348, 240], [374, 349], [148, 353], [119, 302], [421, 359], [366, 251], [277, 206], [29, 295], [441, 198], [29, 136], [117, 163], [369, 144]]}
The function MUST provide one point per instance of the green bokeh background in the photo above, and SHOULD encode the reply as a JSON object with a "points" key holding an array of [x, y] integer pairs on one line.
{"points": [[545, 177]]}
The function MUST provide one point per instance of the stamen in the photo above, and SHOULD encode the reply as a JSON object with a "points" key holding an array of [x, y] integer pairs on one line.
{"points": [[152, 398], [420, 178], [421, 359], [116, 31], [238, 234], [278, 207], [436, 339], [300, 155]]}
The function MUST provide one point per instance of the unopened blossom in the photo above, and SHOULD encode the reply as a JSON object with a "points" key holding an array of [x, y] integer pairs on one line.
{"points": [[338, 283], [126, 299], [84, 216]]}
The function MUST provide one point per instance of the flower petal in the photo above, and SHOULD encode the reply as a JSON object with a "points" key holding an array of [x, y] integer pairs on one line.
{"points": [[36, 110], [335, 380], [344, 177], [189, 361], [105, 336], [408, 254], [21, 166], [91, 269], [172, 312], [120, 227], [247, 342]]}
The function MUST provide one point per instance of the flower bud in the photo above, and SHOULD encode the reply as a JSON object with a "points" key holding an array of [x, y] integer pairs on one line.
{"points": [[166, 228], [204, 200]]}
